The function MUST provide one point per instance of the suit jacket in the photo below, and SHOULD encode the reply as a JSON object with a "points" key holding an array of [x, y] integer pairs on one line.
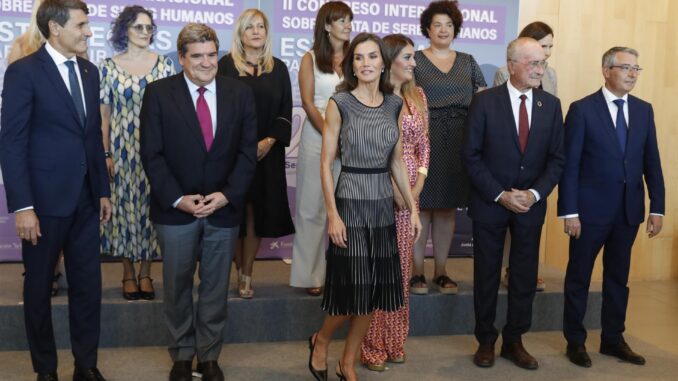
{"points": [[598, 176], [494, 161], [549, 82], [176, 159], [46, 151]]}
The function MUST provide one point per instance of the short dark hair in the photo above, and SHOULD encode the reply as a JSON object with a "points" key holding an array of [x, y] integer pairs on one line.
{"points": [[444, 7], [57, 11], [536, 30], [195, 32], [120, 26], [350, 81]]}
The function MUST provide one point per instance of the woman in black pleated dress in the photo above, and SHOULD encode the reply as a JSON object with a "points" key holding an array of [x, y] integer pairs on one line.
{"points": [[363, 265]]}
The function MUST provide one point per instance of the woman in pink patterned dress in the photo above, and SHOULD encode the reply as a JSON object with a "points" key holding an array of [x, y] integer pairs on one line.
{"points": [[385, 339]]}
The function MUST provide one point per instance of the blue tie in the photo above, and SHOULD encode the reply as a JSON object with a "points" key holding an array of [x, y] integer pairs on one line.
{"points": [[75, 92], [621, 126]]}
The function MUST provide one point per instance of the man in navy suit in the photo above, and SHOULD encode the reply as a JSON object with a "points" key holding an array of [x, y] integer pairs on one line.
{"points": [[54, 171], [610, 145], [198, 148], [514, 156]]}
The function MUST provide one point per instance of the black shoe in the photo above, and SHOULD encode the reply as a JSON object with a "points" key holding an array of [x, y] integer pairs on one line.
{"points": [[622, 351], [48, 376], [319, 375], [91, 374], [181, 371], [578, 356], [210, 371], [146, 295], [130, 295]]}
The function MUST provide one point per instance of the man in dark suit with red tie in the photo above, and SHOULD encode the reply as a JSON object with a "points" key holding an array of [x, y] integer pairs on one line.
{"points": [[514, 156], [610, 146], [54, 171], [198, 148]]}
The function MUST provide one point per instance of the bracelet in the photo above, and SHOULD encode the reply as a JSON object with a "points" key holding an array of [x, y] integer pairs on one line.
{"points": [[423, 171], [107, 154]]}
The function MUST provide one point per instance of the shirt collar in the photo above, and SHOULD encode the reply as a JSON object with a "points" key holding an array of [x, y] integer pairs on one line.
{"points": [[57, 57], [609, 97], [193, 88], [515, 93]]}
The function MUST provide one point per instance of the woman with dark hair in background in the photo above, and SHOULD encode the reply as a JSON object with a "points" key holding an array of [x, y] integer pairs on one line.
{"points": [[549, 82], [267, 213], [124, 77], [319, 75], [385, 339], [363, 265], [449, 79]]}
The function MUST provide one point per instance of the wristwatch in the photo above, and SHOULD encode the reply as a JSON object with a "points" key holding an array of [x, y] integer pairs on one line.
{"points": [[107, 154]]}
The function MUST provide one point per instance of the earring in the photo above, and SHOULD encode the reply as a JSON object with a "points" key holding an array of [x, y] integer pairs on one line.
{"points": [[382, 69], [354, 74]]}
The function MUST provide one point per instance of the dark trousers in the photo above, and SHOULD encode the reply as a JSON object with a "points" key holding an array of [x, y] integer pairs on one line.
{"points": [[488, 246], [617, 238], [78, 237]]}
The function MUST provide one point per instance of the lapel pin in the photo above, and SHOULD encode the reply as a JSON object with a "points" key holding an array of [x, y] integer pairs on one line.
{"points": [[538, 103]]}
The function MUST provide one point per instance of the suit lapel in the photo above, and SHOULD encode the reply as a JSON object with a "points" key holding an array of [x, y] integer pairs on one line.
{"points": [[184, 102], [635, 125], [224, 98], [508, 110], [91, 93], [606, 121], [50, 68], [537, 121]]}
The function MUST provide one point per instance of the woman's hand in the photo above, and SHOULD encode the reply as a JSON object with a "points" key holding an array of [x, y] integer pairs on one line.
{"points": [[110, 168], [337, 231], [415, 225], [263, 147], [399, 200]]}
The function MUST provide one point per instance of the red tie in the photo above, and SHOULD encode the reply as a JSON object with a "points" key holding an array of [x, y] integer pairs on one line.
{"points": [[205, 118], [523, 124]]}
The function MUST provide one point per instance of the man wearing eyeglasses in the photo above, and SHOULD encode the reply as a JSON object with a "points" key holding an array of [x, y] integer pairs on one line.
{"points": [[610, 145], [514, 156]]}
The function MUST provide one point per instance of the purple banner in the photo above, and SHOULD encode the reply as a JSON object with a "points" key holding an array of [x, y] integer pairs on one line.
{"points": [[488, 25]]}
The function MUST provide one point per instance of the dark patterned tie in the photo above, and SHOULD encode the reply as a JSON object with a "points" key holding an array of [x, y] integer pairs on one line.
{"points": [[75, 92], [621, 125], [523, 124]]}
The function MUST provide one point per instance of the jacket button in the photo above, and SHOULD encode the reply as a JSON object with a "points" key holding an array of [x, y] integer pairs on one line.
{"points": [[522, 168]]}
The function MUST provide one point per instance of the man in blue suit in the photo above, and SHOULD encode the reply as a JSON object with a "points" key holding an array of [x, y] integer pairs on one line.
{"points": [[198, 148], [54, 171], [514, 156], [610, 145]]}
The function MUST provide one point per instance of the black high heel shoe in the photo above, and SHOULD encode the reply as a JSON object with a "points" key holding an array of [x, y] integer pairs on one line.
{"points": [[340, 373], [146, 295], [319, 375]]}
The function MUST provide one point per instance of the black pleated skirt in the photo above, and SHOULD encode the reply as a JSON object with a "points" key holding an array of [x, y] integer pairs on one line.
{"points": [[366, 275]]}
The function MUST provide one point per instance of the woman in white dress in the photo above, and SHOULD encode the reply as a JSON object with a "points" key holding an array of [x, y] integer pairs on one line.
{"points": [[319, 74]]}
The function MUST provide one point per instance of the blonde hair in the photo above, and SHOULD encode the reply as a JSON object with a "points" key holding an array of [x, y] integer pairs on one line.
{"points": [[31, 40], [265, 61]]}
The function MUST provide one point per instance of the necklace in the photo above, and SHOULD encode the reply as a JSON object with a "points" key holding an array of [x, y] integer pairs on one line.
{"points": [[255, 67]]}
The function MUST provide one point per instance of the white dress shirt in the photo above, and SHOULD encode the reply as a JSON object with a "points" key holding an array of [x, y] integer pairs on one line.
{"points": [[514, 96], [60, 62], [211, 99]]}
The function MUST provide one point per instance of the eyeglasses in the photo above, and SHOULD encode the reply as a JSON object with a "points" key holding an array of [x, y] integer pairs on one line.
{"points": [[141, 28], [626, 68], [534, 64]]}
